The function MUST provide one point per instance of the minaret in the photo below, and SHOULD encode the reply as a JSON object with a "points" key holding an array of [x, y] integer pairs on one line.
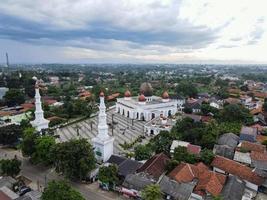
{"points": [[103, 143], [39, 122]]}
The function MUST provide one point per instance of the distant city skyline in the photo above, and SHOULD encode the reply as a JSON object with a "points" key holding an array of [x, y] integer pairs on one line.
{"points": [[134, 31]]}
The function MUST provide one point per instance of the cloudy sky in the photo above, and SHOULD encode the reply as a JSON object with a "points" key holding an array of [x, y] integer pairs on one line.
{"points": [[133, 31]]}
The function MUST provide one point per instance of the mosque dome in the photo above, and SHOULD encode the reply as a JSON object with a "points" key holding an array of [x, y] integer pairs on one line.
{"points": [[142, 98], [146, 89], [127, 93], [165, 95]]}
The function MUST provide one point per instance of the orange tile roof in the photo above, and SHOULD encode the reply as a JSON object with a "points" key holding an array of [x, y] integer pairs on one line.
{"points": [[237, 169], [261, 138], [232, 100], [256, 111], [209, 181], [253, 146]]}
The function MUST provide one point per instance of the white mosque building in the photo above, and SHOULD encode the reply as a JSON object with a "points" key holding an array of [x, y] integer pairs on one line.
{"points": [[146, 106]]}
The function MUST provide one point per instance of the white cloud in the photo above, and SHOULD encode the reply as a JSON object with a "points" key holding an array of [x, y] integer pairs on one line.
{"points": [[238, 28]]}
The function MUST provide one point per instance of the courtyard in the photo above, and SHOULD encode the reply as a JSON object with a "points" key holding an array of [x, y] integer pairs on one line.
{"points": [[124, 130]]}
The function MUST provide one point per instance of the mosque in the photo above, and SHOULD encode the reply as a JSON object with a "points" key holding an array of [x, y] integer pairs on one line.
{"points": [[146, 106]]}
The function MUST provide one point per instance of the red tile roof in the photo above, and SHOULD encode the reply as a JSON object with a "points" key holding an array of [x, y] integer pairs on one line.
{"points": [[258, 156], [194, 149], [260, 94], [237, 169], [208, 181], [253, 146], [3, 196], [155, 166], [49, 101]]}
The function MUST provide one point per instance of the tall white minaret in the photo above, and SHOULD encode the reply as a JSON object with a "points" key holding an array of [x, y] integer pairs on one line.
{"points": [[103, 143], [39, 122]]}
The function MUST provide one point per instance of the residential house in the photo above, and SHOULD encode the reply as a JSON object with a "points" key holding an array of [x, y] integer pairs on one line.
{"points": [[126, 166], [224, 150], [245, 99], [259, 160], [194, 117], [250, 146], [231, 100], [134, 183], [174, 190], [230, 167], [7, 194], [194, 149], [32, 195], [248, 134], [242, 157], [194, 104], [155, 166], [233, 189], [208, 183], [226, 145], [229, 139]]}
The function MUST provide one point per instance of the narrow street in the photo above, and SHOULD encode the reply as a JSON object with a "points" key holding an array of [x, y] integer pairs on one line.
{"points": [[40, 175]]}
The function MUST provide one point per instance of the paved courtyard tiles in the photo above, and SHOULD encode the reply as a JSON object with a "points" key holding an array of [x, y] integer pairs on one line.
{"points": [[123, 130]]}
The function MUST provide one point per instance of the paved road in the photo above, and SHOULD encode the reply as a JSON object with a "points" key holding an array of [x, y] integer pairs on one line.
{"points": [[41, 175]]}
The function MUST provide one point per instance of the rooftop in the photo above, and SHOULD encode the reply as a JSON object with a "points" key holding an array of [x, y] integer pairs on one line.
{"points": [[237, 169], [155, 166], [208, 181]]}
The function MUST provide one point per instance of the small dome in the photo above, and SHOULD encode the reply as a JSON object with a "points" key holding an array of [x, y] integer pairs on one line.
{"points": [[127, 93], [165, 95], [142, 98], [101, 94], [146, 89]]}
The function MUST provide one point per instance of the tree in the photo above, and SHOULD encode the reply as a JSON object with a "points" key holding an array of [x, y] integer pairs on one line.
{"points": [[10, 134], [265, 105], [206, 156], [14, 97], [10, 167], [151, 192], [235, 113], [25, 123], [75, 158], [229, 127], [182, 155], [264, 143], [188, 110], [187, 89], [108, 175], [142, 152], [60, 190], [161, 142], [43, 146], [206, 109], [28, 144]]}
